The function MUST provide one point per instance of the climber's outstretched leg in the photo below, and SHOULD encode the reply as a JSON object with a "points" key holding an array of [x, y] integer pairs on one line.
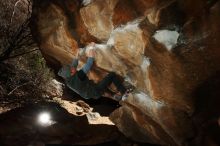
{"points": [[103, 85]]}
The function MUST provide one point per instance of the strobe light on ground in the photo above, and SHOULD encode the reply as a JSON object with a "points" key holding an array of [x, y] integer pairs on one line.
{"points": [[44, 118]]}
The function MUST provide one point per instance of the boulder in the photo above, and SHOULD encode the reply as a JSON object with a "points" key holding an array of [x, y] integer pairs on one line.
{"points": [[168, 50]]}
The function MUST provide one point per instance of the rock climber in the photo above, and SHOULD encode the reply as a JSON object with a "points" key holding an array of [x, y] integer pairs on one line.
{"points": [[78, 81]]}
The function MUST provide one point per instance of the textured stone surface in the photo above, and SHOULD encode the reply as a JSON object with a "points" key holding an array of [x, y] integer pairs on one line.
{"points": [[175, 73], [97, 18], [56, 39]]}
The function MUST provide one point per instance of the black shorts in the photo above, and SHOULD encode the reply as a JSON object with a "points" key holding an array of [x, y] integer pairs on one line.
{"points": [[82, 75]]}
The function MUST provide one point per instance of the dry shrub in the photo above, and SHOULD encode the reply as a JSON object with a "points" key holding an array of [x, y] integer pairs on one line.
{"points": [[24, 80]]}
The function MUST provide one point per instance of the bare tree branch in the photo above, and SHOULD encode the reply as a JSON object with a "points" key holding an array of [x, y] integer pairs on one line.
{"points": [[13, 13], [22, 54], [18, 87], [21, 37]]}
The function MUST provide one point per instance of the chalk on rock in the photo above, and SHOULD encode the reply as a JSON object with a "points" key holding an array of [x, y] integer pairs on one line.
{"points": [[167, 37], [86, 2]]}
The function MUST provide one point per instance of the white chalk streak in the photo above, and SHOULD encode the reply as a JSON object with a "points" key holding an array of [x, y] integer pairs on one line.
{"points": [[86, 2], [167, 37], [129, 27]]}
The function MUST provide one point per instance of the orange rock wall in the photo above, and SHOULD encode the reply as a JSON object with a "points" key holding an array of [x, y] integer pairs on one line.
{"points": [[169, 50]]}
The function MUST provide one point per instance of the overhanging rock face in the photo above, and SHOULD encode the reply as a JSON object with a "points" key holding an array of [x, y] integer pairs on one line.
{"points": [[169, 50]]}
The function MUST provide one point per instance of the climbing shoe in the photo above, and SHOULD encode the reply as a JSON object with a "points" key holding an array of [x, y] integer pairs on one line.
{"points": [[117, 97]]}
